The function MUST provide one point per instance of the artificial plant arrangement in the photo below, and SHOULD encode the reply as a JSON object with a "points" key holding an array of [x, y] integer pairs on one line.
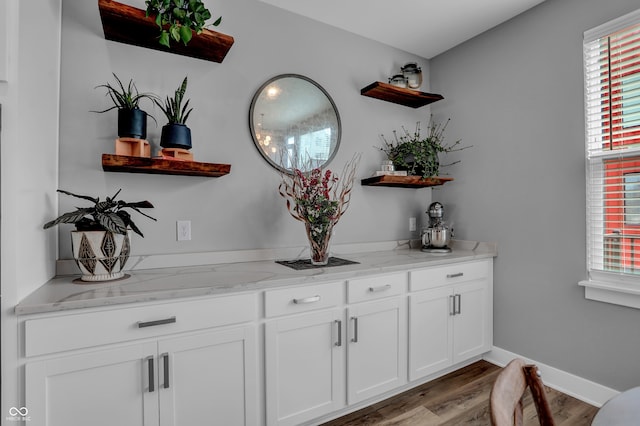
{"points": [[319, 198], [108, 215], [175, 134], [418, 153], [100, 244], [178, 19], [132, 121]]}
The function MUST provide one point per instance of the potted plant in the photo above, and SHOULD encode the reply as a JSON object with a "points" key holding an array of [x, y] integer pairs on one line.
{"points": [[417, 153], [100, 243], [178, 19], [132, 121], [175, 134]]}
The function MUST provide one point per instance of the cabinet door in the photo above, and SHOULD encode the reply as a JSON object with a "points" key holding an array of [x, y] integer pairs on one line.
{"points": [[304, 356], [472, 322], [430, 332], [377, 354], [102, 388], [209, 378]]}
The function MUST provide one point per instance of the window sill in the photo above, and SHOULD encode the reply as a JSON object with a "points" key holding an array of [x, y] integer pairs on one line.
{"points": [[618, 293]]}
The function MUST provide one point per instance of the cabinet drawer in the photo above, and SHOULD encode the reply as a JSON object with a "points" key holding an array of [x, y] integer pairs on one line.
{"points": [[84, 330], [423, 279], [375, 287], [292, 300]]}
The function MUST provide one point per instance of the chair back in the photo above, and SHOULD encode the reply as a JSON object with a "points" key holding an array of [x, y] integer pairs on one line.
{"points": [[507, 392]]}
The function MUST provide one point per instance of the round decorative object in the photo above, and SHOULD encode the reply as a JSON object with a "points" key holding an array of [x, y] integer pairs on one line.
{"points": [[175, 136], [100, 255], [294, 123], [132, 123]]}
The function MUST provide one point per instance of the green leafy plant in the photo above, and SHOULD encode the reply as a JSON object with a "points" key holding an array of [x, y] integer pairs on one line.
{"points": [[178, 18], [172, 107], [125, 97], [108, 215], [417, 153]]}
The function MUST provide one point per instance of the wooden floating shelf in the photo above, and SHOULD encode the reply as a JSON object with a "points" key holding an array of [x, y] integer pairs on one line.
{"points": [[124, 163], [405, 181], [127, 24], [399, 95]]}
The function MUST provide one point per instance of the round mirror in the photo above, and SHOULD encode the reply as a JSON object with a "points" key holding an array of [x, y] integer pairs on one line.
{"points": [[294, 123]]}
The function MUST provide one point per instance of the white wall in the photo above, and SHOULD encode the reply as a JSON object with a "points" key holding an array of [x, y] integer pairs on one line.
{"points": [[243, 209], [28, 165], [516, 94]]}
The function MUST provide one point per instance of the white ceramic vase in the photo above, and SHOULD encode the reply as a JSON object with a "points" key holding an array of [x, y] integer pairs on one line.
{"points": [[100, 255]]}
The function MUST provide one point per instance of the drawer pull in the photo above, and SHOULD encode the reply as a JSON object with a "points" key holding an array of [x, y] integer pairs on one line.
{"points": [[459, 274], [312, 299], [380, 288], [142, 324], [339, 342], [152, 386]]}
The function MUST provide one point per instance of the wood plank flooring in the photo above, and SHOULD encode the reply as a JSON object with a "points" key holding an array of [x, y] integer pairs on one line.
{"points": [[461, 398]]}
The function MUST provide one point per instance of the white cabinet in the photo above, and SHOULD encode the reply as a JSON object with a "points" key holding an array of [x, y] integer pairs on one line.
{"points": [[195, 378], [304, 353], [450, 316], [377, 352], [377, 343]]}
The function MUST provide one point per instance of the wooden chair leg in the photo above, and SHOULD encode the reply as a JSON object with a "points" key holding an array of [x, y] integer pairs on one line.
{"points": [[539, 396]]}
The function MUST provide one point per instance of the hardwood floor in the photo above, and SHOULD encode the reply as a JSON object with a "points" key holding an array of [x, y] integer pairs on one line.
{"points": [[461, 398]]}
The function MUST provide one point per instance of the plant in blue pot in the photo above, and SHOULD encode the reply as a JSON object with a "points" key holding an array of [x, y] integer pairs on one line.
{"points": [[175, 134], [132, 121]]}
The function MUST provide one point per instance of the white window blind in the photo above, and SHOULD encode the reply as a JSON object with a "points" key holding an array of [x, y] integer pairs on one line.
{"points": [[612, 116]]}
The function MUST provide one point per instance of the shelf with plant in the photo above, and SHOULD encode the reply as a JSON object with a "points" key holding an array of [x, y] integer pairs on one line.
{"points": [[418, 155], [155, 30]]}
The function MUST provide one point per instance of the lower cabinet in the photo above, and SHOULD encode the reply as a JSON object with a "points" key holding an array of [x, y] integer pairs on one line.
{"points": [[377, 351], [451, 323], [305, 366], [177, 381]]}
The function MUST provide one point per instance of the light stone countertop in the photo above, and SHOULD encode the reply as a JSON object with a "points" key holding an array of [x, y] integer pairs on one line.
{"points": [[144, 285]]}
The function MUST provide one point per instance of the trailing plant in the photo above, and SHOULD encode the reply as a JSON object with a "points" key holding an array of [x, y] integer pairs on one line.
{"points": [[417, 153], [127, 98], [173, 109], [108, 215], [178, 18]]}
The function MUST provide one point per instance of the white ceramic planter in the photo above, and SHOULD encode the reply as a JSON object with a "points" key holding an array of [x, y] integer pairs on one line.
{"points": [[100, 255]]}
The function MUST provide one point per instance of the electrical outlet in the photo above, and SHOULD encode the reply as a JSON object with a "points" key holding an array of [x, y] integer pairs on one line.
{"points": [[183, 230], [412, 224]]}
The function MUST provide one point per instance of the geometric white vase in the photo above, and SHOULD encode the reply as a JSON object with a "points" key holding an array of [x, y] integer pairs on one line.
{"points": [[100, 255]]}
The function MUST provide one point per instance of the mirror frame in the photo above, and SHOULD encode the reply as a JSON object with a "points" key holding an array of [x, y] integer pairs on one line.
{"points": [[256, 143]]}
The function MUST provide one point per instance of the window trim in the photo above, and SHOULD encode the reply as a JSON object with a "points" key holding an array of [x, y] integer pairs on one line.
{"points": [[602, 286]]}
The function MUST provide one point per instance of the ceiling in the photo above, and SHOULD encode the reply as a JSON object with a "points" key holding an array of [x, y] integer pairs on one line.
{"points": [[423, 27]]}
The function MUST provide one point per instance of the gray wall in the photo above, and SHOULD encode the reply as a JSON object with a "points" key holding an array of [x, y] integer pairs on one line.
{"points": [[242, 210], [516, 94]]}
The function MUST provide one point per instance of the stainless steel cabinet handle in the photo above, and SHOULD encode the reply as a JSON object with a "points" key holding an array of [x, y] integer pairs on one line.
{"points": [[458, 299], [311, 299], [380, 288], [354, 339], [452, 304], [142, 324], [152, 386], [339, 342], [165, 364], [459, 274]]}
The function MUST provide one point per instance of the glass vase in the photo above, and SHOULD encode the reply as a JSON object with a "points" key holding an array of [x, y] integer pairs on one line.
{"points": [[319, 238]]}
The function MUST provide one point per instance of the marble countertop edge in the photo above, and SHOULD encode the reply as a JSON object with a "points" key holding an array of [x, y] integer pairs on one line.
{"points": [[168, 283]]}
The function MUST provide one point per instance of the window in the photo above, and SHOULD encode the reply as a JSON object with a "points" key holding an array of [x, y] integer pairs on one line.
{"points": [[612, 118]]}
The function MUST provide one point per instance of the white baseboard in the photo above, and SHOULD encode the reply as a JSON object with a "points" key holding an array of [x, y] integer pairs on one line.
{"points": [[577, 387]]}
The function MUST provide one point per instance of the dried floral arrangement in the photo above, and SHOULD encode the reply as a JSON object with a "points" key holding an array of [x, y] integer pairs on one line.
{"points": [[417, 153], [319, 199]]}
